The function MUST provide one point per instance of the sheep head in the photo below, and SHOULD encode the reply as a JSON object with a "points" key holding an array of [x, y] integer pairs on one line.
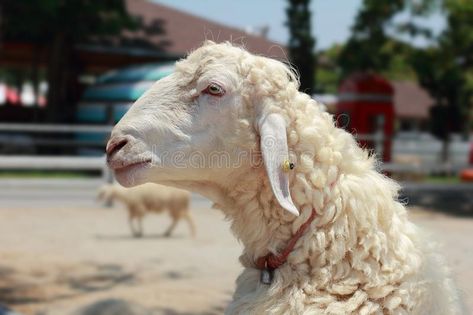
{"points": [[207, 123], [105, 193]]}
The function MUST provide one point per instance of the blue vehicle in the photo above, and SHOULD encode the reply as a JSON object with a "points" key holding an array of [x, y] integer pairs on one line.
{"points": [[106, 101]]}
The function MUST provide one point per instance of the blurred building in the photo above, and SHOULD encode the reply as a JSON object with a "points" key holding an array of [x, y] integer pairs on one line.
{"points": [[183, 32], [411, 105], [166, 35]]}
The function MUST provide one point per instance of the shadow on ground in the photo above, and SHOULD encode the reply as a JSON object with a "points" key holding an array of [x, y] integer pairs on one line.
{"points": [[105, 277], [124, 307], [216, 310], [22, 288]]}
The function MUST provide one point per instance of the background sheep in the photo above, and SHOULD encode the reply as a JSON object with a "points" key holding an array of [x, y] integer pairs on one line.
{"points": [[360, 255], [150, 198]]}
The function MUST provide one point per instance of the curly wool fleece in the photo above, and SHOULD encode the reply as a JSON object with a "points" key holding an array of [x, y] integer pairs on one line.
{"points": [[360, 255]]}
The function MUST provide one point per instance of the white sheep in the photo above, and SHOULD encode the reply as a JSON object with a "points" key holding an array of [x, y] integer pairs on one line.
{"points": [[227, 124], [150, 198]]}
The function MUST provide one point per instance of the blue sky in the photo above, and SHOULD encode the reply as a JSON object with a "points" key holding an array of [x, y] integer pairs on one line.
{"points": [[331, 22]]}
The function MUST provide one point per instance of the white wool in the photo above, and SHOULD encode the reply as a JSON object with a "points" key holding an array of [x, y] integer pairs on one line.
{"points": [[360, 255]]}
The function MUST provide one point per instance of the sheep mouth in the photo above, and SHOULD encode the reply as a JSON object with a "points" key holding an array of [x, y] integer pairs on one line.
{"points": [[124, 166]]}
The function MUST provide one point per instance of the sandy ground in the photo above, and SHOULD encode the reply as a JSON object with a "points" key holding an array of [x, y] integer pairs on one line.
{"points": [[56, 259]]}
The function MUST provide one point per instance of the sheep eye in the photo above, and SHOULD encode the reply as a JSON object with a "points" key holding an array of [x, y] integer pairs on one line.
{"points": [[214, 89]]}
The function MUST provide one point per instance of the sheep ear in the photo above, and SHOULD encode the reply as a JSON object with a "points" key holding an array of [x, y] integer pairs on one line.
{"points": [[272, 129]]}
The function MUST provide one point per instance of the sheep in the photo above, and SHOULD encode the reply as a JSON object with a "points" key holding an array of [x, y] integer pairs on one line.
{"points": [[148, 198], [323, 231]]}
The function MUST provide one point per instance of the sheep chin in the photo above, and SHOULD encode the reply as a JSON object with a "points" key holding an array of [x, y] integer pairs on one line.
{"points": [[133, 174]]}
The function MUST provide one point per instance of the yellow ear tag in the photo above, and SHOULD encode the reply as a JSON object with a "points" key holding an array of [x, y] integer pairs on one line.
{"points": [[287, 166]]}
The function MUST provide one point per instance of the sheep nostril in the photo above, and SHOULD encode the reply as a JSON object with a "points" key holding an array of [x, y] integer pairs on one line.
{"points": [[115, 145]]}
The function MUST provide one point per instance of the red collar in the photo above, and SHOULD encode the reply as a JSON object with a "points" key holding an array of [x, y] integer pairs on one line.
{"points": [[272, 261]]}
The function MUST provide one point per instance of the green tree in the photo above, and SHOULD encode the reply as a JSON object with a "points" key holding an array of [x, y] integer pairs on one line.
{"points": [[397, 67], [58, 26], [328, 71], [366, 48], [301, 43], [446, 71]]}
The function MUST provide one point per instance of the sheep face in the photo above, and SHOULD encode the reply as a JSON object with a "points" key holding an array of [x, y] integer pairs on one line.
{"points": [[203, 123]]}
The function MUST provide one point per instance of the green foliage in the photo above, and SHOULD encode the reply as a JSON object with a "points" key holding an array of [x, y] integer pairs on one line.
{"points": [[301, 43], [58, 26], [328, 72], [446, 70], [397, 68], [458, 37], [327, 80], [41, 21], [366, 49], [371, 48]]}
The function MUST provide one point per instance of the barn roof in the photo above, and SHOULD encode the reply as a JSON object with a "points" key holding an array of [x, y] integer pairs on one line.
{"points": [[182, 32], [411, 100]]}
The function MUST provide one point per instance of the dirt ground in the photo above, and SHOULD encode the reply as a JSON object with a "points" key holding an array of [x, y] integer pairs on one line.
{"points": [[54, 260]]}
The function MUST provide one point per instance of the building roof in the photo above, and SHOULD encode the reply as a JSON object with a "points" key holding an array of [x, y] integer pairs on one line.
{"points": [[165, 34], [411, 100], [177, 33]]}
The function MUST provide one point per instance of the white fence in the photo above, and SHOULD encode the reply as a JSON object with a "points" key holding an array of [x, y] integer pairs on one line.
{"points": [[427, 149], [13, 132], [422, 152]]}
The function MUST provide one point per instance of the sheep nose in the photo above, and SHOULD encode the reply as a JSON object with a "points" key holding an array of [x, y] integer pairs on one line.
{"points": [[114, 145]]}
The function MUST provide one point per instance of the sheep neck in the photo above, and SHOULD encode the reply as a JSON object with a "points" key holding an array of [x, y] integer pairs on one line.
{"points": [[273, 261], [256, 218], [337, 234]]}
